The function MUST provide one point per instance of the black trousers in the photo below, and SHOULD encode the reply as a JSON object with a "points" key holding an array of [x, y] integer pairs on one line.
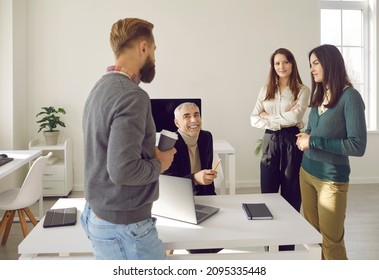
{"points": [[280, 167]]}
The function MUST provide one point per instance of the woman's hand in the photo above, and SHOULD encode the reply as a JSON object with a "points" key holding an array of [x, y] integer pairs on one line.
{"points": [[302, 141], [263, 114]]}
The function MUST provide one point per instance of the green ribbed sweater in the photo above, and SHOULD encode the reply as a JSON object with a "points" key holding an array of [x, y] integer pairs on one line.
{"points": [[335, 135]]}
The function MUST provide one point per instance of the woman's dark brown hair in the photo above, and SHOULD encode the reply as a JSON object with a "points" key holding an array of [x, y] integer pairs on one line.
{"points": [[335, 76], [273, 78]]}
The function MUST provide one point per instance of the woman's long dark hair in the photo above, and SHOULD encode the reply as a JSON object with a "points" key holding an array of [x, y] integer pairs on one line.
{"points": [[335, 75], [273, 78]]}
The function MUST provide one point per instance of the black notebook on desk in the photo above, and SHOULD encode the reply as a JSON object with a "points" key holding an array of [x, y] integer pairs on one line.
{"points": [[257, 211], [60, 217]]}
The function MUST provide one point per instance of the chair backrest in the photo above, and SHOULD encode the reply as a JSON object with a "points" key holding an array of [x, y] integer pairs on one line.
{"points": [[31, 189]]}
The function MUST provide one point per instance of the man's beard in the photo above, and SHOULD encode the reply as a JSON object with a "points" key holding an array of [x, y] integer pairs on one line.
{"points": [[147, 71]]}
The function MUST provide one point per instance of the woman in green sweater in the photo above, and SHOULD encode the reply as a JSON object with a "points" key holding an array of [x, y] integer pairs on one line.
{"points": [[336, 130]]}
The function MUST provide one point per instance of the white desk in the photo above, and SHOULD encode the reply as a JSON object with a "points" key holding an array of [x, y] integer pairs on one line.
{"points": [[223, 148], [229, 228], [21, 157]]}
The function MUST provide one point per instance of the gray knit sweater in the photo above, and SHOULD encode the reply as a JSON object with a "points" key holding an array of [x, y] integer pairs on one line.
{"points": [[121, 176]]}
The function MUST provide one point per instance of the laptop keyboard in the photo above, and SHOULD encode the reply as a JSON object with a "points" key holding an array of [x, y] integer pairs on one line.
{"points": [[200, 215], [199, 207], [202, 211]]}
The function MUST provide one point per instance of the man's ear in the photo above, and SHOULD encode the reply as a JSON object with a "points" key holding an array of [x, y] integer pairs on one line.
{"points": [[143, 46], [176, 123]]}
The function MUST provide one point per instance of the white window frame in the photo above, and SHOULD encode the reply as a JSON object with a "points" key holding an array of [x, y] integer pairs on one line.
{"points": [[368, 8]]}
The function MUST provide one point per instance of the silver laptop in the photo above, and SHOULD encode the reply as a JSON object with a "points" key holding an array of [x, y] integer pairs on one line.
{"points": [[176, 201]]}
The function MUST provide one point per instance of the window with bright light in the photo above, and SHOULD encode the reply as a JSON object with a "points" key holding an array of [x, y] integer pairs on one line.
{"points": [[350, 26]]}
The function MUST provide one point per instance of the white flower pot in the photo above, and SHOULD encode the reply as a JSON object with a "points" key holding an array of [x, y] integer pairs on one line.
{"points": [[51, 137]]}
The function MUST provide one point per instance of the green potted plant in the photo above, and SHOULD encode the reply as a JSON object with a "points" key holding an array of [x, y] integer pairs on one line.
{"points": [[49, 123], [258, 148]]}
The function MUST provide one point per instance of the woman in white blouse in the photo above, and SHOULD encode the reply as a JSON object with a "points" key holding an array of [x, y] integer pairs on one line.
{"points": [[279, 110]]}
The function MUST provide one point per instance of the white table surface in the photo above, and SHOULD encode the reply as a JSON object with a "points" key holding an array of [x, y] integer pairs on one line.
{"points": [[21, 157], [222, 146], [229, 228]]}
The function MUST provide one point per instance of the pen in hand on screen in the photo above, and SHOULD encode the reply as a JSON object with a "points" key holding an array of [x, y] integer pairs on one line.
{"points": [[217, 164]]}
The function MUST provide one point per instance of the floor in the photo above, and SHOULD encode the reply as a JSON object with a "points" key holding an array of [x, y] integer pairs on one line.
{"points": [[361, 226]]}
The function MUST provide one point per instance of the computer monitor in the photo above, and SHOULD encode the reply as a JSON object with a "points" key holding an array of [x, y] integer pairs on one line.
{"points": [[163, 111]]}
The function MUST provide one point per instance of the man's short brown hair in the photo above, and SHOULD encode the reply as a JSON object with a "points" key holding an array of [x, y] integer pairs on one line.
{"points": [[126, 31]]}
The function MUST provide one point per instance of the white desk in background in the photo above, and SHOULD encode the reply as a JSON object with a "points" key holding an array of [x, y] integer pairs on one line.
{"points": [[223, 148], [229, 229], [21, 157]]}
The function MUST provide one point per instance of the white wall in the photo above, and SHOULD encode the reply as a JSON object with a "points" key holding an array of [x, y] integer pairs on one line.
{"points": [[13, 81], [217, 50], [6, 85]]}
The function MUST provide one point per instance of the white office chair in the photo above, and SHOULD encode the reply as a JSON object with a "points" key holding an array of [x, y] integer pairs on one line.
{"points": [[20, 199]]}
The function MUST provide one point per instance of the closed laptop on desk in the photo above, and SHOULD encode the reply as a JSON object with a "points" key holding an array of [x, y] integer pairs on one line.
{"points": [[176, 201]]}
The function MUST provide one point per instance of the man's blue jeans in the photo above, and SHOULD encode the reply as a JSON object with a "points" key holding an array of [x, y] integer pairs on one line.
{"points": [[137, 241]]}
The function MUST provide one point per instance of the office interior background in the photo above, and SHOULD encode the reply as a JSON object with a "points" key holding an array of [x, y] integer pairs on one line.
{"points": [[52, 52]]}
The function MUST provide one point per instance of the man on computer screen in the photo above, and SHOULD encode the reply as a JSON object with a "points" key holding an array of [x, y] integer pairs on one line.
{"points": [[194, 147], [194, 155]]}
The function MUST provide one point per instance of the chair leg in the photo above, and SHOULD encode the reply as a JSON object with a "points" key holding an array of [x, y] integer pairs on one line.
{"points": [[7, 221], [4, 221], [8, 227], [29, 213], [23, 224]]}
